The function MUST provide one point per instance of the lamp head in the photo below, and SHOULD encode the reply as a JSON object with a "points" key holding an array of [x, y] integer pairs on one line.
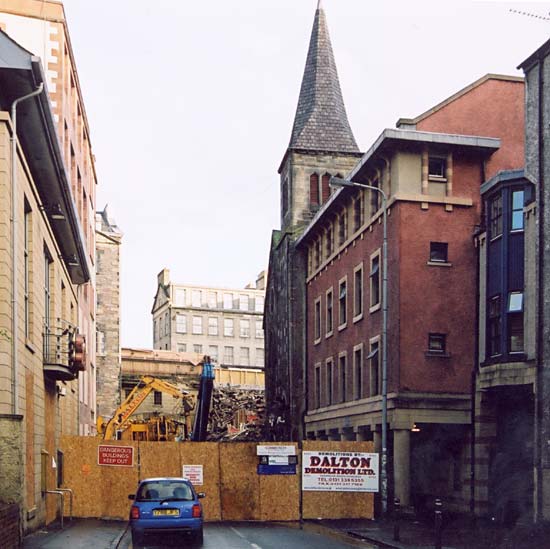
{"points": [[340, 182]]}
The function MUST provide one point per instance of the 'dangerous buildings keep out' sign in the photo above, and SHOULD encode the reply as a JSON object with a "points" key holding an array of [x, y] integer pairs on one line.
{"points": [[339, 472]]}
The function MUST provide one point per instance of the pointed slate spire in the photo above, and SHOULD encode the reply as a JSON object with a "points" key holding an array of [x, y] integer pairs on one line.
{"points": [[321, 122]]}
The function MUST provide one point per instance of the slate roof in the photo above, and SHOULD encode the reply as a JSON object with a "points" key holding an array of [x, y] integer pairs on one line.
{"points": [[321, 122]]}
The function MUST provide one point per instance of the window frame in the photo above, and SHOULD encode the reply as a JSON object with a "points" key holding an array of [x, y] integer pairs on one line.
{"points": [[441, 160], [342, 310], [433, 338], [228, 327], [213, 326], [317, 320], [181, 320], [358, 372], [515, 210], [329, 368], [358, 296], [329, 312], [342, 376], [375, 286], [495, 216], [439, 252], [196, 328], [375, 374]]}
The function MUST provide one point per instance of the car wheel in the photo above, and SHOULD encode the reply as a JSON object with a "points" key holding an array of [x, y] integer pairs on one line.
{"points": [[137, 541], [199, 538]]}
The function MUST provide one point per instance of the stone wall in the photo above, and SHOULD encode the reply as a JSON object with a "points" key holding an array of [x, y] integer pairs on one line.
{"points": [[108, 317], [10, 526]]}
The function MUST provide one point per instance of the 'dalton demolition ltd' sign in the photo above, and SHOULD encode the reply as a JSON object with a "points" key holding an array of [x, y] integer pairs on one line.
{"points": [[121, 456], [339, 472]]}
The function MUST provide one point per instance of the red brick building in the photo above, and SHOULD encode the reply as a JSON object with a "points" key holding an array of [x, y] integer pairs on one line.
{"points": [[431, 168]]}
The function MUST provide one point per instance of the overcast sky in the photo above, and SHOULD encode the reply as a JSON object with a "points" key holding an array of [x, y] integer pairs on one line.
{"points": [[191, 104]]}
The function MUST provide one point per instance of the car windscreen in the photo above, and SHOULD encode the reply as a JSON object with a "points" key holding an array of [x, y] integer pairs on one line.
{"points": [[159, 490]]}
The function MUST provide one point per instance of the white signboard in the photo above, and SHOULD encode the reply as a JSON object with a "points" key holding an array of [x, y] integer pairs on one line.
{"points": [[272, 450], [194, 474], [339, 472], [277, 460]]}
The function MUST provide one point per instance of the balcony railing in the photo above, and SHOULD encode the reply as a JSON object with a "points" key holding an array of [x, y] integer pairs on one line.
{"points": [[64, 351]]}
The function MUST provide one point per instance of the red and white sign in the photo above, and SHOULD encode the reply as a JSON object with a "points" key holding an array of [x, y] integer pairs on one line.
{"points": [[117, 456], [339, 472], [194, 474]]}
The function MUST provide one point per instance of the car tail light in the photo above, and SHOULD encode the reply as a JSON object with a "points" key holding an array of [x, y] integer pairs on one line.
{"points": [[196, 511], [134, 512]]}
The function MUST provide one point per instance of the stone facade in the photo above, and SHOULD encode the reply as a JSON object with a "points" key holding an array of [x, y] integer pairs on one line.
{"points": [[41, 28], [108, 245], [321, 144], [223, 323], [537, 169]]}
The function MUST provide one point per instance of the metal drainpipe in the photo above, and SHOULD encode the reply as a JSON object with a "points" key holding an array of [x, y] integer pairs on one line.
{"points": [[14, 303]]}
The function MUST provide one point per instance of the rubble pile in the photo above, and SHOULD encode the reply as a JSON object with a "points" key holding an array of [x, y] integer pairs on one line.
{"points": [[236, 415]]}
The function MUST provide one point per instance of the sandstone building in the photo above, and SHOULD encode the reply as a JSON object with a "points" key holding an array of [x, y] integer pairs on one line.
{"points": [[224, 323], [41, 28], [108, 248], [47, 295]]}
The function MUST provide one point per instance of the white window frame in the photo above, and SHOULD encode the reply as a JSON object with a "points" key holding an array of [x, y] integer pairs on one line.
{"points": [[228, 327], [244, 327], [213, 326], [197, 325], [358, 388], [196, 298], [181, 323], [244, 302]]}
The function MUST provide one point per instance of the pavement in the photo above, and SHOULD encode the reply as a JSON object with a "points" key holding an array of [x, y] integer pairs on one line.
{"points": [[78, 533], [456, 534]]}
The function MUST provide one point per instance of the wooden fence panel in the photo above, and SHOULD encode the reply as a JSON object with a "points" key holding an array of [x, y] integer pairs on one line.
{"points": [[240, 485], [234, 490]]}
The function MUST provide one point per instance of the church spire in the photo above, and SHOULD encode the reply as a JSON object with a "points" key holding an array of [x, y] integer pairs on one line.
{"points": [[321, 122]]}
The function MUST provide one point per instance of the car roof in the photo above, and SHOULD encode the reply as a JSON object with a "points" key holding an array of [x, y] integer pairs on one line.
{"points": [[157, 479]]}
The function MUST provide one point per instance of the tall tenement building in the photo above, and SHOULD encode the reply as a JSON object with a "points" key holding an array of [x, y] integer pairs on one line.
{"points": [[109, 363], [41, 28], [47, 253], [224, 323]]}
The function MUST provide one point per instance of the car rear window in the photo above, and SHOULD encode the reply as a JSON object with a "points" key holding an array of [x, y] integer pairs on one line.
{"points": [[165, 489]]}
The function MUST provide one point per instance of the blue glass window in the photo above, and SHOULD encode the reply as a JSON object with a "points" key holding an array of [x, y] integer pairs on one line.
{"points": [[517, 211]]}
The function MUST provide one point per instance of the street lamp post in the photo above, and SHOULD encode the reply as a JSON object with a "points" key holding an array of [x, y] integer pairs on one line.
{"points": [[339, 182]]}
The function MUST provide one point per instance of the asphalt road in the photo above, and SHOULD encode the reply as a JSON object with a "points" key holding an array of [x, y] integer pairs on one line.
{"points": [[260, 536]]}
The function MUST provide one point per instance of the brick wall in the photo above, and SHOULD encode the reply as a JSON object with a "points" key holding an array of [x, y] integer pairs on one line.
{"points": [[10, 536]]}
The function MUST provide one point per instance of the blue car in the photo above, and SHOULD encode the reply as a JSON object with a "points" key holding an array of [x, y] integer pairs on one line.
{"points": [[167, 506]]}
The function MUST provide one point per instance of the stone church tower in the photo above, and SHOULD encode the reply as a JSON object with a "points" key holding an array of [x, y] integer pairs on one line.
{"points": [[321, 145]]}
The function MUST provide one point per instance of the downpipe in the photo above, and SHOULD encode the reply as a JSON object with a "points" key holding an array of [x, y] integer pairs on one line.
{"points": [[14, 236]]}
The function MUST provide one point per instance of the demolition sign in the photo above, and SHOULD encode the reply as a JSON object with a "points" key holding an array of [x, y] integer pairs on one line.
{"points": [[121, 456], [339, 472]]}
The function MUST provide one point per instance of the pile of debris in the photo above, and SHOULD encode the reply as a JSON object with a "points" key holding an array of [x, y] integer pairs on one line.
{"points": [[236, 415]]}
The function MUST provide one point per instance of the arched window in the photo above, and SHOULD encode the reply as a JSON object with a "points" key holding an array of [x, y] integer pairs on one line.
{"points": [[314, 189], [325, 188]]}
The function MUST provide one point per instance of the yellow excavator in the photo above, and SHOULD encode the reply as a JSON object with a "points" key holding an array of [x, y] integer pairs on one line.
{"points": [[155, 428]]}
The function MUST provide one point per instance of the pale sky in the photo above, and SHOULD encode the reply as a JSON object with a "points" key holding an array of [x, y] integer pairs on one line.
{"points": [[191, 105]]}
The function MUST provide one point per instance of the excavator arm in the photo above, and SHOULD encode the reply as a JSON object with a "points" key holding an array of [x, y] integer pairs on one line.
{"points": [[133, 402]]}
